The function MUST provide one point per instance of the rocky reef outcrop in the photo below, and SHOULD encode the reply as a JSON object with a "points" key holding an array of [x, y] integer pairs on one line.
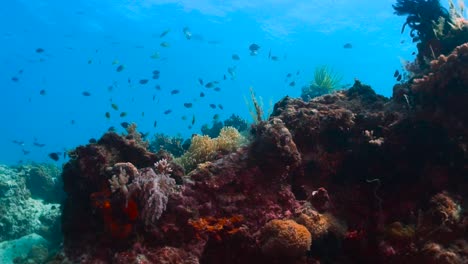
{"points": [[349, 177]]}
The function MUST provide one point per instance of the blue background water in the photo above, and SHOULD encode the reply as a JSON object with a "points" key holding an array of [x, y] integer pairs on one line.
{"points": [[81, 40]]}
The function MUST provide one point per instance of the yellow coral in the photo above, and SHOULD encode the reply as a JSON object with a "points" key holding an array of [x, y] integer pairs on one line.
{"points": [[204, 148], [398, 232], [285, 238]]}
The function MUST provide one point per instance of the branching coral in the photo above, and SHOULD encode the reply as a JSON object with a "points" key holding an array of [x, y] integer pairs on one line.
{"points": [[204, 148], [325, 81]]}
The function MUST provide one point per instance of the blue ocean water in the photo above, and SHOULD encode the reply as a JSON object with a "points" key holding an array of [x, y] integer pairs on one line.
{"points": [[65, 48]]}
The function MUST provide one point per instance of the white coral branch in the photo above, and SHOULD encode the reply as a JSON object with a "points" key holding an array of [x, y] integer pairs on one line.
{"points": [[119, 182]]}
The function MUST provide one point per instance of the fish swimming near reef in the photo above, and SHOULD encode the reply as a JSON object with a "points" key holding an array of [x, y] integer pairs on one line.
{"points": [[86, 93], [120, 68], [54, 156], [124, 125], [235, 57], [188, 105], [187, 33], [165, 44], [39, 50], [348, 46], [254, 49], [42, 92], [209, 85], [213, 106], [175, 92], [143, 81], [168, 111], [164, 33]]}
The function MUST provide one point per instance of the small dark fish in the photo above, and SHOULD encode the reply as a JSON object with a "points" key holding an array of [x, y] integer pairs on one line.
{"points": [[193, 120], [188, 105], [413, 53], [399, 77], [158, 87], [144, 135], [254, 49], [224, 77], [289, 75], [124, 125], [115, 107], [402, 41], [129, 80], [216, 117], [235, 57], [107, 115], [274, 58], [39, 145], [165, 44], [298, 72], [202, 94], [209, 85], [184, 118], [42, 92], [142, 114], [293, 83], [187, 33], [110, 88], [156, 72], [396, 73], [111, 129], [167, 111], [217, 89], [143, 81], [220, 106], [54, 155], [14, 79], [164, 33], [348, 46], [86, 93], [123, 114], [18, 142], [200, 81], [92, 141], [26, 152], [154, 97], [155, 77], [155, 123], [213, 106], [175, 92], [90, 61], [39, 50], [120, 68], [20, 72], [72, 122]]}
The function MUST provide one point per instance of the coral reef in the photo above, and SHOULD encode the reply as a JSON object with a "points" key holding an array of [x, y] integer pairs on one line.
{"points": [[348, 177], [20, 214], [173, 145]]}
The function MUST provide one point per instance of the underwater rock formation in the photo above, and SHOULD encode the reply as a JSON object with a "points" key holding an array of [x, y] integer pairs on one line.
{"points": [[20, 214], [349, 177]]}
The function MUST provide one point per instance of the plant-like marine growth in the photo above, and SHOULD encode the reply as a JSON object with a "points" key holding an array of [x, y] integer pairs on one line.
{"points": [[436, 29], [326, 80], [256, 107], [421, 14]]}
